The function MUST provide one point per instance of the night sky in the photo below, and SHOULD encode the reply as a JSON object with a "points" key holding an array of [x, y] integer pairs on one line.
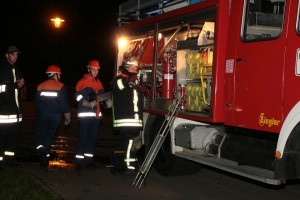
{"points": [[86, 34]]}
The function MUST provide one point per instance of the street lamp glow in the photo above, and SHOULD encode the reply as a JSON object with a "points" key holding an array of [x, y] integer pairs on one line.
{"points": [[57, 22]]}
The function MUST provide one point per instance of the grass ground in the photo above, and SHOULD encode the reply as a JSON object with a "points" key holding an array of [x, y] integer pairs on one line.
{"points": [[17, 184]]}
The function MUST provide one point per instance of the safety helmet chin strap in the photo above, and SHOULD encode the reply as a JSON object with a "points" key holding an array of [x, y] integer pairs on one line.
{"points": [[90, 71], [57, 78]]}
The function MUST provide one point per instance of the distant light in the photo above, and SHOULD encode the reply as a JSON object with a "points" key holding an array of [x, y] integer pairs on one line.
{"points": [[57, 22]]}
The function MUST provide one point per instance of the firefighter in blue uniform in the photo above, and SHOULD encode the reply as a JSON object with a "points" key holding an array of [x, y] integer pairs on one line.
{"points": [[87, 90], [50, 102], [11, 81], [128, 113]]}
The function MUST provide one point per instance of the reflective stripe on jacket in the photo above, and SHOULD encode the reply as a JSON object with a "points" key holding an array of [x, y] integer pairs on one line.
{"points": [[10, 118], [127, 103], [86, 85], [10, 101], [51, 97]]}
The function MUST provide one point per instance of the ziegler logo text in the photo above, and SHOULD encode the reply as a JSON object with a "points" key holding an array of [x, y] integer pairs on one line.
{"points": [[270, 122]]}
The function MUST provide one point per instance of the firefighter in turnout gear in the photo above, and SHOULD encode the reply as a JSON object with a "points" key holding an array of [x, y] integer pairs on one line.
{"points": [[128, 113], [50, 102], [11, 80], [87, 90]]}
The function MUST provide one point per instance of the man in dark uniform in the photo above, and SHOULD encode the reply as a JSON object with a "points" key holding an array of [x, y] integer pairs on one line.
{"points": [[11, 80], [128, 113]]}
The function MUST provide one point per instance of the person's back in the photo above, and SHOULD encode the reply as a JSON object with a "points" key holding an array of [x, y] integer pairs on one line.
{"points": [[50, 97], [50, 101]]}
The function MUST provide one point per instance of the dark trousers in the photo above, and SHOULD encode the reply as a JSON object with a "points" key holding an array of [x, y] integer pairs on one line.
{"points": [[9, 136], [125, 135], [45, 129], [88, 134]]}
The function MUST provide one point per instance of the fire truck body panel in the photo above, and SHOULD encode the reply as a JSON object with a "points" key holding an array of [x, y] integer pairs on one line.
{"points": [[253, 65], [237, 70]]}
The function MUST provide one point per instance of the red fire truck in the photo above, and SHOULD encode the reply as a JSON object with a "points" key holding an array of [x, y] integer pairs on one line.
{"points": [[237, 65]]}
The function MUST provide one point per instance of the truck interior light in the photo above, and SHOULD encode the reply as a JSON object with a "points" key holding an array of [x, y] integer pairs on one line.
{"points": [[159, 36], [122, 42]]}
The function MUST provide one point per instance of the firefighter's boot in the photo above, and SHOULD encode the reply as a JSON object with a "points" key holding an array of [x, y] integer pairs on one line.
{"points": [[131, 164], [44, 161]]}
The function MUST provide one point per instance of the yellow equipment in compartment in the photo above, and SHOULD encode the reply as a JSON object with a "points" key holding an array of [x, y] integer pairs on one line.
{"points": [[205, 75], [194, 97], [199, 67]]}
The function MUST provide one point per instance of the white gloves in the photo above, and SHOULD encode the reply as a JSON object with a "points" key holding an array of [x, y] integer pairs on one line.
{"points": [[108, 103], [67, 118], [92, 104]]}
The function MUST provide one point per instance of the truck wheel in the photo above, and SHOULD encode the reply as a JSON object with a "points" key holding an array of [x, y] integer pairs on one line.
{"points": [[166, 163]]}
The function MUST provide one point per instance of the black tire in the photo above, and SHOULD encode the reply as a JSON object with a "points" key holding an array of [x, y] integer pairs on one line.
{"points": [[166, 163]]}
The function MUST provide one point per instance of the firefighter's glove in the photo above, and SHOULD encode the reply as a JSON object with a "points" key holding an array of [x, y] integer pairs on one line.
{"points": [[133, 85], [91, 104], [108, 103], [134, 82], [67, 118], [136, 143], [20, 83]]}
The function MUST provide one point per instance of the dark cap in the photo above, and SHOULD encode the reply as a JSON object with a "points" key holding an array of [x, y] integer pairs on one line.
{"points": [[12, 49]]}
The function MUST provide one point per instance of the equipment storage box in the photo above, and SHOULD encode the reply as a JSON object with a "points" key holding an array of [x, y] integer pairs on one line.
{"points": [[189, 136]]}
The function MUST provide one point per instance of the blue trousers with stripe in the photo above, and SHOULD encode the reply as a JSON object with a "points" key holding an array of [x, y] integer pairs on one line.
{"points": [[88, 134], [45, 129]]}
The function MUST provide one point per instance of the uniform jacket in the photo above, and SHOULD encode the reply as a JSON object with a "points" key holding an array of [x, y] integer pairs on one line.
{"points": [[10, 101], [84, 88], [51, 97], [127, 103]]}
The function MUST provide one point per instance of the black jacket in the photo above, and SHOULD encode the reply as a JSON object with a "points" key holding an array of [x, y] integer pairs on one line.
{"points": [[8, 104], [127, 103]]}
